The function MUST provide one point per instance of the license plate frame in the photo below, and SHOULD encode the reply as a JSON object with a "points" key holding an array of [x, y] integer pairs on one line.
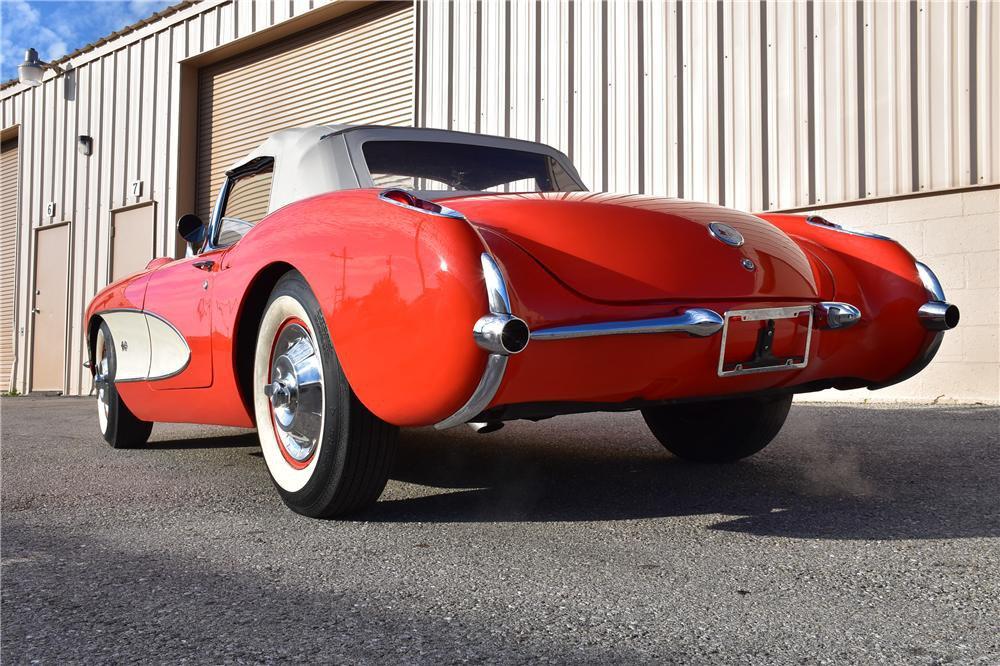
{"points": [[766, 314]]}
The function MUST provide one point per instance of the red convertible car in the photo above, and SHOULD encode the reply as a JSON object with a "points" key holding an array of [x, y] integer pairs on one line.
{"points": [[354, 280]]}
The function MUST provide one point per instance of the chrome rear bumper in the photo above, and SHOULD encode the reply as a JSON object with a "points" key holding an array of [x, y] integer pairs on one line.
{"points": [[700, 322], [502, 333]]}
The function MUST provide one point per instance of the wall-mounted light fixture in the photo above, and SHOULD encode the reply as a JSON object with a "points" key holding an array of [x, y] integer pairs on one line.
{"points": [[32, 69], [85, 144]]}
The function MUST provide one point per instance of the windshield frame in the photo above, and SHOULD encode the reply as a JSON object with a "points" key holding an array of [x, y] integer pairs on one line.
{"points": [[357, 137]]}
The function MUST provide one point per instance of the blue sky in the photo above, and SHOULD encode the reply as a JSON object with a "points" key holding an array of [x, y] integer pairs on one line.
{"points": [[57, 27]]}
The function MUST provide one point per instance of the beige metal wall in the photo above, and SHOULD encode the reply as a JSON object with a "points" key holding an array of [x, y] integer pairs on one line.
{"points": [[127, 95], [757, 104]]}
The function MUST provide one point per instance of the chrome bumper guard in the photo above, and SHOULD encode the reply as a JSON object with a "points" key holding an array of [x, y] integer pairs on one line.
{"points": [[500, 333]]}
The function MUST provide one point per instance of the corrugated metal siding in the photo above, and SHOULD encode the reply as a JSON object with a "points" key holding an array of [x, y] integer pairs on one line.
{"points": [[8, 256], [126, 96], [355, 70], [757, 105]]}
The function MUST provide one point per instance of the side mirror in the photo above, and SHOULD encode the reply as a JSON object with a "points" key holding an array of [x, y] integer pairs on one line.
{"points": [[192, 230]]}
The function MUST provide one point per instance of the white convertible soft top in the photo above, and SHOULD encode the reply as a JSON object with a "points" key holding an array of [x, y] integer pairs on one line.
{"points": [[323, 158], [302, 168]]}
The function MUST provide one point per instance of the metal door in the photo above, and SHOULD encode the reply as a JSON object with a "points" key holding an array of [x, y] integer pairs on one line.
{"points": [[132, 240], [48, 352]]}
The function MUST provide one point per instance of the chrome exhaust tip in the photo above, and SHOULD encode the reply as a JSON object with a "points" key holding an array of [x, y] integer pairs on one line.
{"points": [[501, 334], [938, 315]]}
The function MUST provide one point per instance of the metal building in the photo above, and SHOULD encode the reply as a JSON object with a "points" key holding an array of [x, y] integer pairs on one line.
{"points": [[884, 114]]}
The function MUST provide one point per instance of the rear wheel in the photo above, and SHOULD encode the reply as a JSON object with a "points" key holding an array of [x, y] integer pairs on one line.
{"points": [[718, 431], [120, 427], [326, 453]]}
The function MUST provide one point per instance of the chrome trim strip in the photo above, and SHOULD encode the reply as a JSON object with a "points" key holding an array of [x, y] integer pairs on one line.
{"points": [[699, 322], [838, 315], [445, 211], [930, 281], [823, 223], [763, 315], [159, 356], [496, 364], [496, 288]]}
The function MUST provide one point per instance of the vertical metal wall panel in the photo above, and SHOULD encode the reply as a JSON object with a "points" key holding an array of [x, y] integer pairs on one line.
{"points": [[943, 94], [887, 68], [554, 72], [994, 78], [988, 87], [800, 117]]}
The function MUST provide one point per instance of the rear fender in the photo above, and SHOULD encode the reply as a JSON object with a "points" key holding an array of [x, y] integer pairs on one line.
{"points": [[400, 291], [876, 274]]}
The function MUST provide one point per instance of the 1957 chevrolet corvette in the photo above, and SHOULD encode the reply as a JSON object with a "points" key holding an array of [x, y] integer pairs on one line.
{"points": [[353, 280]]}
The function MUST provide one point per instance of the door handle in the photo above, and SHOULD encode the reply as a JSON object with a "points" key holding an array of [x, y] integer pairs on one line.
{"points": [[205, 265], [35, 311]]}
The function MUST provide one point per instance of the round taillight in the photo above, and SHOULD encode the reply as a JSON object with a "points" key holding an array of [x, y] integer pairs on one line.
{"points": [[402, 197], [410, 200]]}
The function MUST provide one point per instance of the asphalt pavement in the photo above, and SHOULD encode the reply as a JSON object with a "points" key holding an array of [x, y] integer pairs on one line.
{"points": [[861, 535]]}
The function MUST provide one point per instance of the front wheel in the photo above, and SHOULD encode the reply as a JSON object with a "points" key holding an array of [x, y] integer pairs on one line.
{"points": [[718, 431], [326, 453], [120, 427]]}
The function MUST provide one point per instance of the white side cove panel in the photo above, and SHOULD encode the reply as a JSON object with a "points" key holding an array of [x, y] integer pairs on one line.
{"points": [[146, 347]]}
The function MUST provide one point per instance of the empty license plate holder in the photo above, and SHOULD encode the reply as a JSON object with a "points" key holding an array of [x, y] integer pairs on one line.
{"points": [[763, 361]]}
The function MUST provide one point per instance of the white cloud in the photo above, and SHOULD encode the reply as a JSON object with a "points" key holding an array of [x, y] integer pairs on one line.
{"points": [[57, 28], [54, 50], [23, 26]]}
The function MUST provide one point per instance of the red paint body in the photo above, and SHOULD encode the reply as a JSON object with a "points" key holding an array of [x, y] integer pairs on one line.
{"points": [[401, 290]]}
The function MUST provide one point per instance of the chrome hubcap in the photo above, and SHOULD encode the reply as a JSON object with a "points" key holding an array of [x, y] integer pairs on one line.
{"points": [[295, 392]]}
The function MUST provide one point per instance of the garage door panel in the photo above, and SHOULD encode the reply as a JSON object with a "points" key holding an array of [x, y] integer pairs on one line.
{"points": [[358, 69], [8, 256], [349, 56], [346, 76]]}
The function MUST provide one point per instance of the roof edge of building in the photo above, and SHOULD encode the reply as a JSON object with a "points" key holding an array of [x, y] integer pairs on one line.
{"points": [[141, 23]]}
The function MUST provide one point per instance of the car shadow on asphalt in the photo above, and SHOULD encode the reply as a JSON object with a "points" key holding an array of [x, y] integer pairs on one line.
{"points": [[891, 477], [241, 440]]}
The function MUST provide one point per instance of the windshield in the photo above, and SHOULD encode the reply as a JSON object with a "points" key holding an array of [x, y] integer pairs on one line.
{"points": [[447, 166]]}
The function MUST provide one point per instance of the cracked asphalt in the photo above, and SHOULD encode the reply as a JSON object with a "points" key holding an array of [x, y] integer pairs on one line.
{"points": [[861, 535]]}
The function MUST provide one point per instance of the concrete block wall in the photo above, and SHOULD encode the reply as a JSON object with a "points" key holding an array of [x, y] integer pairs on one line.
{"points": [[958, 236]]}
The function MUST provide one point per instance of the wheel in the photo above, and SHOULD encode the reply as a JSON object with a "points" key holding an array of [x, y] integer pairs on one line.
{"points": [[326, 453], [120, 427], [718, 431]]}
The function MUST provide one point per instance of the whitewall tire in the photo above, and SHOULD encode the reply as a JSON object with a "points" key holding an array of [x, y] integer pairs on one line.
{"points": [[119, 426], [326, 453]]}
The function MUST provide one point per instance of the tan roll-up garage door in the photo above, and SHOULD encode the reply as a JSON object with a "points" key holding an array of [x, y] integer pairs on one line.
{"points": [[357, 69], [8, 256]]}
